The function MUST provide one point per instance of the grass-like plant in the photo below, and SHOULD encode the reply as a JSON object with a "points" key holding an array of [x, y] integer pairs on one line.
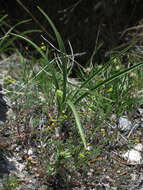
{"points": [[48, 102], [64, 96], [5, 41]]}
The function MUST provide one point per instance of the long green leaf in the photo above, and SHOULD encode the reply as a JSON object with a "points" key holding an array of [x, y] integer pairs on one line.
{"points": [[2, 18], [63, 52], [59, 39], [101, 69], [10, 41], [43, 55], [77, 119], [88, 80], [115, 76], [10, 30]]}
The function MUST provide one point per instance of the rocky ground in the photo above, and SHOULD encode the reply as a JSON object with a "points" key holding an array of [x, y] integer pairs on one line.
{"points": [[119, 166]]}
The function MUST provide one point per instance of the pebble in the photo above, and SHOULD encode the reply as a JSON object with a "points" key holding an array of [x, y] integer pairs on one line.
{"points": [[124, 124], [133, 157], [138, 147]]}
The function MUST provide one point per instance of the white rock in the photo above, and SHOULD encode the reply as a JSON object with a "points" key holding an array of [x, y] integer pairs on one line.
{"points": [[124, 124], [133, 157], [133, 176], [138, 147], [13, 164], [30, 152], [140, 110]]}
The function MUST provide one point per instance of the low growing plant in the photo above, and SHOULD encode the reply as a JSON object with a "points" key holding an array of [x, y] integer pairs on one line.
{"points": [[67, 98]]}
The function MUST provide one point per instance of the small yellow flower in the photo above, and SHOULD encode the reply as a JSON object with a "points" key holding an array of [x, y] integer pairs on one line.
{"points": [[65, 116], [51, 117], [136, 140], [43, 47], [102, 130], [53, 124], [110, 90], [48, 128], [81, 155]]}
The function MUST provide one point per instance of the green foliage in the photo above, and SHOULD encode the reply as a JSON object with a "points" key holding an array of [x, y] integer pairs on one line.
{"points": [[62, 53], [77, 119], [79, 92], [55, 99]]}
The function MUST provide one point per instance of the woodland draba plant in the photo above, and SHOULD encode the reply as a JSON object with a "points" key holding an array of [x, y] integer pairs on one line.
{"points": [[65, 98]]}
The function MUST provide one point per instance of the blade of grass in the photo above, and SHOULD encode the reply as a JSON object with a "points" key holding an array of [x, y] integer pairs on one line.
{"points": [[101, 69], [5, 36], [63, 52], [34, 18], [43, 55], [2, 18], [77, 119], [115, 76], [59, 39], [10, 41], [88, 80], [95, 51]]}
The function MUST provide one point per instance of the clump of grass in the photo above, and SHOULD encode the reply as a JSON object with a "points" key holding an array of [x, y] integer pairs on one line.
{"points": [[65, 98], [58, 105]]}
